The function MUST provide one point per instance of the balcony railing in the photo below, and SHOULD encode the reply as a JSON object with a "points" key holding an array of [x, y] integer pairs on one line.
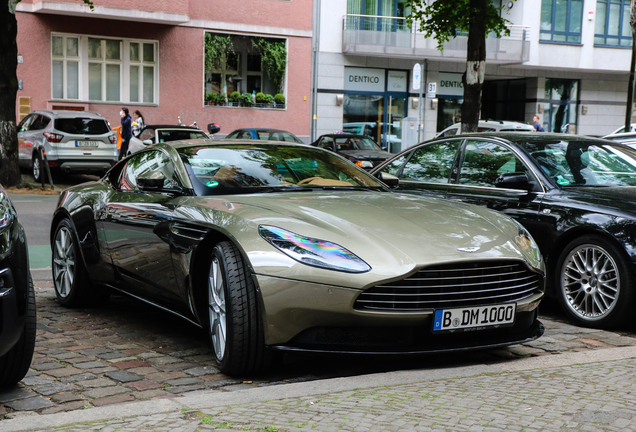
{"points": [[391, 37]]}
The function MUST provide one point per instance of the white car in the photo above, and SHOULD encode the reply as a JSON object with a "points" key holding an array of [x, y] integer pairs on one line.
{"points": [[152, 134], [489, 126], [622, 129]]}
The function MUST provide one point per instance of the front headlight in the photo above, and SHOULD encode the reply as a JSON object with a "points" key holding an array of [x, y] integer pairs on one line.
{"points": [[313, 252], [364, 164], [7, 213], [526, 244]]}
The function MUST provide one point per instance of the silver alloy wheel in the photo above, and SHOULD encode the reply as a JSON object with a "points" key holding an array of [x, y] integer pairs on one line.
{"points": [[63, 261], [36, 167], [216, 302], [590, 282]]}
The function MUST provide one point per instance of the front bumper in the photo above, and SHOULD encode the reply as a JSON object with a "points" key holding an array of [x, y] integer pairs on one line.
{"points": [[302, 316]]}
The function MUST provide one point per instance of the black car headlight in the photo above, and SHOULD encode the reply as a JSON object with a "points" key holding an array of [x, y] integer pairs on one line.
{"points": [[7, 214], [313, 252]]}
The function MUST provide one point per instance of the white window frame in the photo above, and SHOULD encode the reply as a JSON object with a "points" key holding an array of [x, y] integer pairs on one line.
{"points": [[65, 58], [124, 72]]}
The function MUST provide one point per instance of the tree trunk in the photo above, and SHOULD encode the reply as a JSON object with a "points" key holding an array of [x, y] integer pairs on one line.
{"points": [[473, 78], [630, 84], [9, 169]]}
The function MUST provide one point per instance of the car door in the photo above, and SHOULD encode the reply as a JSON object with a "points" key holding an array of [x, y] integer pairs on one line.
{"points": [[25, 141], [429, 168], [129, 218], [482, 162]]}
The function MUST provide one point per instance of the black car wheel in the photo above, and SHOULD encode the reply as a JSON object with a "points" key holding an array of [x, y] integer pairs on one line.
{"points": [[595, 283], [14, 365], [37, 171], [235, 322], [72, 284]]}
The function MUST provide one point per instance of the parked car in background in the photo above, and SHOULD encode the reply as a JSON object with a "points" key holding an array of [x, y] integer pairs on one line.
{"points": [[370, 129], [17, 298], [359, 149], [489, 126], [622, 129], [574, 194], [285, 247], [74, 141], [264, 134], [627, 138], [152, 134]]}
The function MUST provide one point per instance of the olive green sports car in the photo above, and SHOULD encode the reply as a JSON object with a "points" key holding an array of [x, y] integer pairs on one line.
{"points": [[277, 246]]}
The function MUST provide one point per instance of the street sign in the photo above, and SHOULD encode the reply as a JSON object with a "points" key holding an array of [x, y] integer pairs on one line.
{"points": [[417, 76]]}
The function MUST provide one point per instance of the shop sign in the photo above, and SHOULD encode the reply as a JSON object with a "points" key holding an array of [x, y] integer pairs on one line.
{"points": [[450, 84], [397, 81], [364, 79]]}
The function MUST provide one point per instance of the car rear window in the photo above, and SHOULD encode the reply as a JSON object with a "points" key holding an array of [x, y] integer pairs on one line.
{"points": [[176, 135], [82, 126]]}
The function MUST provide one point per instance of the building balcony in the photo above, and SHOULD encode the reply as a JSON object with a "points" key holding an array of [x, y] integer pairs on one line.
{"points": [[379, 36]]}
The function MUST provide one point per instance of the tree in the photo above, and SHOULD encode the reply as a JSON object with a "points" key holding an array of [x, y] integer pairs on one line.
{"points": [[630, 85], [446, 19], [10, 171]]}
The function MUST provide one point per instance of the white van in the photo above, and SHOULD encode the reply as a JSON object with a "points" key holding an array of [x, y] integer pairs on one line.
{"points": [[489, 126]]}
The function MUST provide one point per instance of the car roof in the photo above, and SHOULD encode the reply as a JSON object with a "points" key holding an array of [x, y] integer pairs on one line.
{"points": [[159, 126], [69, 113], [179, 144], [525, 136], [260, 130]]}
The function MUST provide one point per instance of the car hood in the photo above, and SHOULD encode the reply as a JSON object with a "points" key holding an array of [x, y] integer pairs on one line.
{"points": [[393, 233], [366, 154]]}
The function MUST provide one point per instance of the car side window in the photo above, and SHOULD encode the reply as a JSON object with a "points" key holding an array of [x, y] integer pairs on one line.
{"points": [[24, 124], [245, 135], [145, 162], [394, 166], [431, 163], [450, 132], [232, 135], [484, 162], [326, 143], [147, 134]]}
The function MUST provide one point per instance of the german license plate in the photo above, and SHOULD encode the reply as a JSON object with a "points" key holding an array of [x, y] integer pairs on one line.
{"points": [[474, 317], [86, 143]]}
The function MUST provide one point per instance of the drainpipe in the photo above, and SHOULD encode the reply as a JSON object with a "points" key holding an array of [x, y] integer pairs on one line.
{"points": [[314, 65]]}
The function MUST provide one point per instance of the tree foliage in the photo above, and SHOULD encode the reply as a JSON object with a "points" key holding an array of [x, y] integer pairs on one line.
{"points": [[447, 19], [217, 48], [274, 58]]}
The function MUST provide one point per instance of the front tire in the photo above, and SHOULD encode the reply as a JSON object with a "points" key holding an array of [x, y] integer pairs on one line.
{"points": [[235, 321], [70, 278], [595, 282], [14, 365]]}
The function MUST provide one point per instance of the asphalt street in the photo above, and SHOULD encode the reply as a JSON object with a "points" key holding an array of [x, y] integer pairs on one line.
{"points": [[127, 366]]}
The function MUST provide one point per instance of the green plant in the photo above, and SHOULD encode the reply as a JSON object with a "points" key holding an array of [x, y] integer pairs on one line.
{"points": [[260, 97], [215, 48], [234, 97], [279, 99], [247, 98], [269, 99], [274, 58]]}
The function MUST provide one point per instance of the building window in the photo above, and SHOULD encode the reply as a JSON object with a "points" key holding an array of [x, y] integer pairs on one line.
{"points": [[612, 23], [65, 67], [562, 105], [561, 20], [86, 68]]}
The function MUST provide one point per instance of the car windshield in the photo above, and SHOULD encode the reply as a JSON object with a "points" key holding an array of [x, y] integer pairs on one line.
{"points": [[585, 163], [277, 136], [244, 168], [176, 135], [82, 126], [355, 143]]}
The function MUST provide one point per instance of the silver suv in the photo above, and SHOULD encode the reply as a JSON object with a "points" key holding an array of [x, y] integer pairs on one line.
{"points": [[74, 141]]}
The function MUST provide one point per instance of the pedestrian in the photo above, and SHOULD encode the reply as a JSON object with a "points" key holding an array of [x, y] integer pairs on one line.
{"points": [[537, 124], [138, 123], [126, 132]]}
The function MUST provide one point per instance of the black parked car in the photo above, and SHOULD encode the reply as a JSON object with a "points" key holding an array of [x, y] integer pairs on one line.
{"points": [[574, 194], [359, 149], [17, 298]]}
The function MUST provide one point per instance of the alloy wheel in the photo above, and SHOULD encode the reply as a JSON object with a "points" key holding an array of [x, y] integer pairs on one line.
{"points": [[216, 302], [36, 168], [590, 281], [63, 262]]}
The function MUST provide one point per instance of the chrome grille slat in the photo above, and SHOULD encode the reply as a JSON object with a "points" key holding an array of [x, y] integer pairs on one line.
{"points": [[449, 286]]}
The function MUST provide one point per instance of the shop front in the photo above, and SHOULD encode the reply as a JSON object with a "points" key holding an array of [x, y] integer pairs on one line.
{"points": [[450, 96], [375, 103]]}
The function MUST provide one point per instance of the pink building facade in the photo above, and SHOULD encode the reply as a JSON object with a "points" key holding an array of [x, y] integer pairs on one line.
{"points": [[153, 60]]}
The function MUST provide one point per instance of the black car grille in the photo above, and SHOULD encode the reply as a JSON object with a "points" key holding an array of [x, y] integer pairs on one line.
{"points": [[454, 285]]}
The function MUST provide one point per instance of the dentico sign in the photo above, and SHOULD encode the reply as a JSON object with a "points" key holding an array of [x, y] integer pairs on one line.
{"points": [[450, 84], [364, 79]]}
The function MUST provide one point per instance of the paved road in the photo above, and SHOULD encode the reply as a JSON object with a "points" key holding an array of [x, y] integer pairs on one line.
{"points": [[127, 352]]}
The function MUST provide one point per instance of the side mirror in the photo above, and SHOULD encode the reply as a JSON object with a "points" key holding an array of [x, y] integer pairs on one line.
{"points": [[213, 128], [152, 180], [147, 142], [513, 181], [388, 179]]}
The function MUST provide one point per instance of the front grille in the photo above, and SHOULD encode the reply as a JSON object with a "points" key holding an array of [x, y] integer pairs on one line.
{"points": [[454, 285]]}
